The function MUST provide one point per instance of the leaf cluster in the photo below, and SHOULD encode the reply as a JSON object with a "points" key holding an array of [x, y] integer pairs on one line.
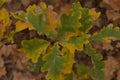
{"points": [[69, 33]]}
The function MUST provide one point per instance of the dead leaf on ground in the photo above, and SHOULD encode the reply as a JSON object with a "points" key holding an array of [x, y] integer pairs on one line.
{"points": [[118, 75], [25, 2], [115, 4], [118, 45], [113, 14], [19, 65], [22, 76], [107, 46], [1, 62], [113, 9], [2, 71], [39, 76], [8, 1], [97, 45], [111, 65], [6, 50], [13, 5]]}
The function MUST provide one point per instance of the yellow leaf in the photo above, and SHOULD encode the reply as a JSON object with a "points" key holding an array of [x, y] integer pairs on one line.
{"points": [[4, 21], [4, 17], [69, 35], [69, 57], [43, 5], [94, 14], [70, 47], [32, 8], [84, 77], [52, 19], [20, 25], [59, 78], [17, 16], [10, 36]]}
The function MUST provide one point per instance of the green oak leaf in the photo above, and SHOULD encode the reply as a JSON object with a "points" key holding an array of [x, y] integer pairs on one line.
{"points": [[75, 43], [33, 48], [69, 76], [86, 21], [54, 64], [82, 71], [35, 67], [36, 17], [107, 32], [70, 22], [97, 62]]}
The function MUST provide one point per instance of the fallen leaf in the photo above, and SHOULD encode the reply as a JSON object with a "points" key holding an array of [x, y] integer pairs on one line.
{"points": [[112, 9], [115, 4], [118, 45], [118, 75], [111, 65], [107, 46], [2, 71], [1, 62], [113, 14], [19, 65], [39, 76], [25, 2], [22, 76], [6, 50]]}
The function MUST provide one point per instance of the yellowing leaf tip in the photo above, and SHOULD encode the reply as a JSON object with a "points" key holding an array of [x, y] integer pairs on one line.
{"points": [[43, 5]]}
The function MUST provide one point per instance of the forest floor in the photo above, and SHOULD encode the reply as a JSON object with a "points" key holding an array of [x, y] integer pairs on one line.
{"points": [[13, 68]]}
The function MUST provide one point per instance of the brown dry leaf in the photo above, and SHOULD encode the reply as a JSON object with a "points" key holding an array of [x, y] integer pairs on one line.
{"points": [[115, 4], [1, 62], [2, 71], [8, 1], [111, 65], [22, 76], [25, 2], [1, 44], [113, 14], [118, 75], [55, 2], [19, 65], [6, 50], [97, 45], [39, 76], [118, 45], [113, 9], [13, 5], [107, 46], [2, 68]]}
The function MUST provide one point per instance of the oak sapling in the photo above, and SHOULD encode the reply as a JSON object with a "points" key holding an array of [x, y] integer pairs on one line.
{"points": [[70, 33]]}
